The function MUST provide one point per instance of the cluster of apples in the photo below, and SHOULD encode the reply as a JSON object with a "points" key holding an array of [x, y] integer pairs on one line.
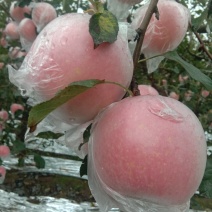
{"points": [[5, 150], [28, 21], [146, 148], [4, 116]]}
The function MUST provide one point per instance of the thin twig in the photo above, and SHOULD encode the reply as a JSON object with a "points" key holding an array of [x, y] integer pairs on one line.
{"points": [[202, 43]]}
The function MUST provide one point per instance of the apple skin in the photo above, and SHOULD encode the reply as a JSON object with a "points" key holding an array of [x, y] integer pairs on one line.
{"points": [[11, 30], [63, 53], [147, 90], [27, 29], [4, 151], [149, 148]]}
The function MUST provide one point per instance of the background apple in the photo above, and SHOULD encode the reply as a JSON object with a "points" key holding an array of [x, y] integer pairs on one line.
{"points": [[27, 29], [18, 13], [4, 151], [42, 14], [149, 148], [11, 30], [147, 90]]}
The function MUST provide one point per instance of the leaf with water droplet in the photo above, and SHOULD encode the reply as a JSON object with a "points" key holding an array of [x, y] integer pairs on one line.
{"points": [[103, 27]]}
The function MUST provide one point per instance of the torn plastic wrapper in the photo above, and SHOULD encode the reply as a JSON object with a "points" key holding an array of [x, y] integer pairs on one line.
{"points": [[120, 8], [165, 34]]}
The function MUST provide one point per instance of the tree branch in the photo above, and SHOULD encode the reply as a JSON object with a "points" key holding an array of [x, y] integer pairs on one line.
{"points": [[141, 30], [201, 42]]}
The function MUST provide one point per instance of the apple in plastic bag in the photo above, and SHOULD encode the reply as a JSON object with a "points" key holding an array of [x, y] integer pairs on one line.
{"points": [[149, 148], [165, 34], [63, 53], [27, 29], [11, 30], [42, 14], [147, 90], [18, 13]]}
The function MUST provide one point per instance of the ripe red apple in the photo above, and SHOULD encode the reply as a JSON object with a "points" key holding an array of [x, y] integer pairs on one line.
{"points": [[147, 90], [4, 151], [11, 30], [149, 148], [174, 95], [42, 14], [27, 29], [63, 53], [165, 34], [18, 13], [3, 115]]}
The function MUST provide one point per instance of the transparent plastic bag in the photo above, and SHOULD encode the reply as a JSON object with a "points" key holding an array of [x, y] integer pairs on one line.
{"points": [[165, 34]]}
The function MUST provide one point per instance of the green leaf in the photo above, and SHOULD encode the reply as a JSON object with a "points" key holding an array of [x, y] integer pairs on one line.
{"points": [[21, 162], [103, 27], [18, 147], [49, 135], [40, 111], [39, 161], [197, 22], [1, 161], [86, 136], [84, 166], [194, 72]]}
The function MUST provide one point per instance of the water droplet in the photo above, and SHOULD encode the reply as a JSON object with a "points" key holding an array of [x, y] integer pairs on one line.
{"points": [[163, 110]]}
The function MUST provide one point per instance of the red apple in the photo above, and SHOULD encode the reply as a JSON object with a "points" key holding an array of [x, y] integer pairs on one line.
{"points": [[147, 90], [18, 13], [11, 30], [42, 14], [15, 107], [27, 29], [174, 95], [3, 115], [149, 148], [4, 151], [165, 34], [63, 53]]}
